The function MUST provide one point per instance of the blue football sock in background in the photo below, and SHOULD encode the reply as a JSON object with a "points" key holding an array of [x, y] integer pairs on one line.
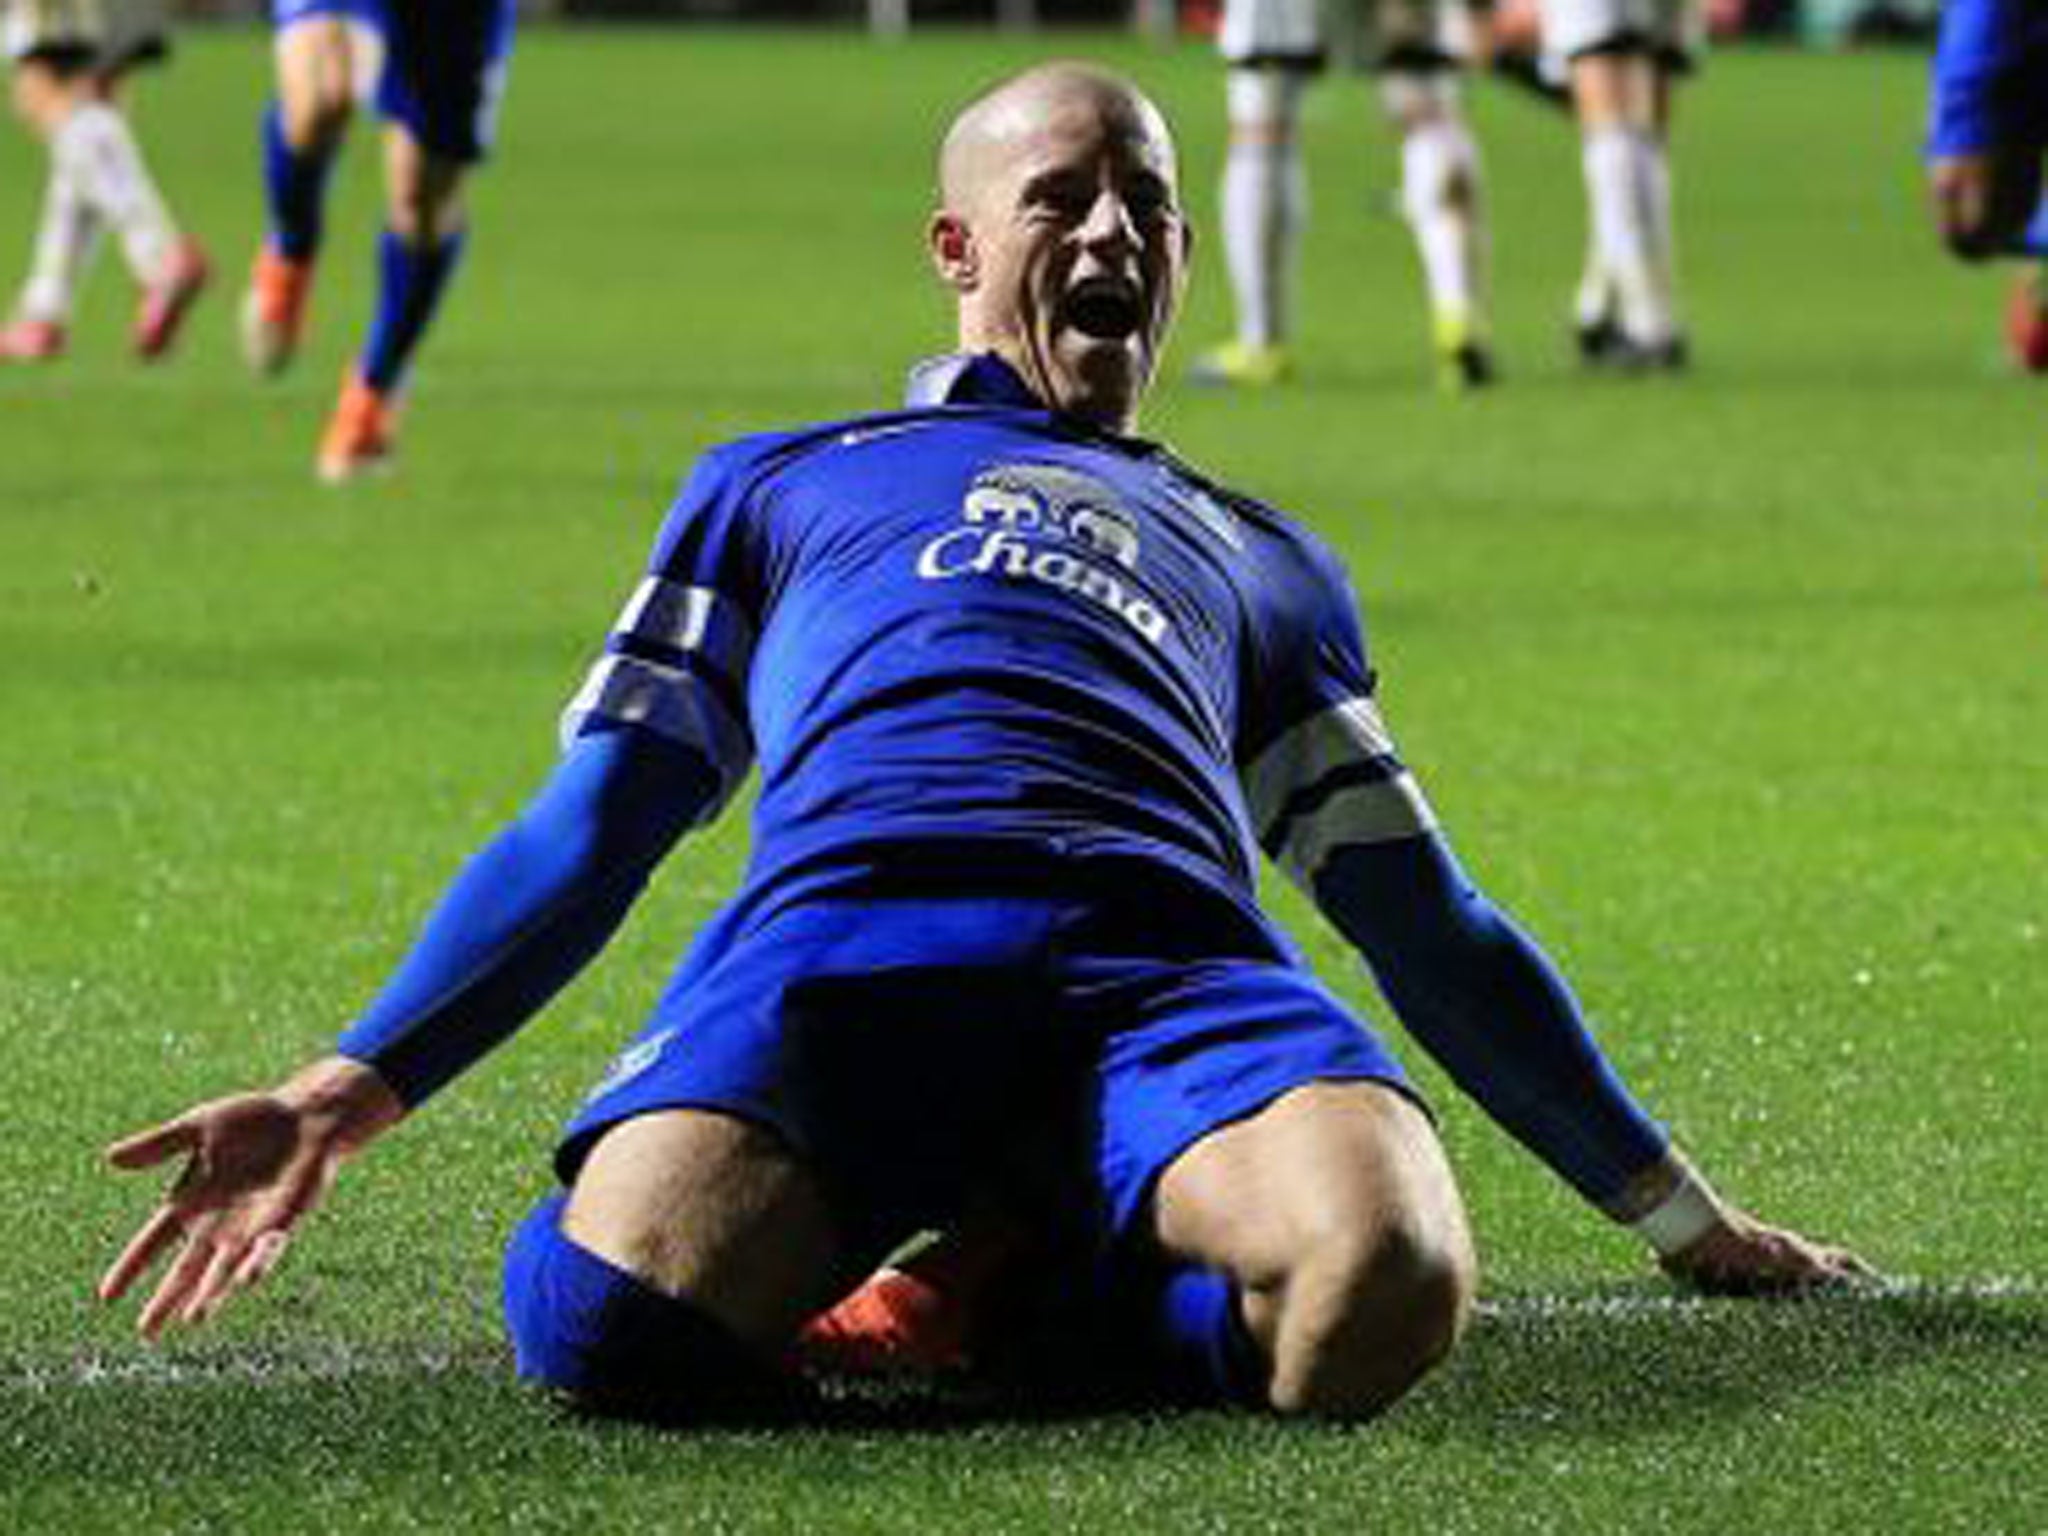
{"points": [[410, 280], [295, 185]]}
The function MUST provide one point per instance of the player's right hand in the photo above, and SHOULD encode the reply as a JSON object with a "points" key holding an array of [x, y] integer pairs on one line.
{"points": [[255, 1164]]}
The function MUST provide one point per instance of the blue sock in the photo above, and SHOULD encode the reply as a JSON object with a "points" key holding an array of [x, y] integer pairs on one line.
{"points": [[1202, 1339], [2034, 241], [410, 280], [295, 185], [620, 1347]]}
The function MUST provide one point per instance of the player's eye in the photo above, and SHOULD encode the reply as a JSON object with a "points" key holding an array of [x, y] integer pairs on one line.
{"points": [[1068, 197]]}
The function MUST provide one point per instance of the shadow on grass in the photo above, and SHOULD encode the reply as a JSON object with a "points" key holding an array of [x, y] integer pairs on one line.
{"points": [[1596, 1366]]}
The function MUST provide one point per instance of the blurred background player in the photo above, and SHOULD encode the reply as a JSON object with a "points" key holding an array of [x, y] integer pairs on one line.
{"points": [[1273, 49], [69, 59], [436, 71], [1621, 60], [1987, 130]]}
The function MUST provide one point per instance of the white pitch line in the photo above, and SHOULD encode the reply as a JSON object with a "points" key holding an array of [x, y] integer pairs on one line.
{"points": [[1634, 1306], [340, 1364], [346, 1364]]}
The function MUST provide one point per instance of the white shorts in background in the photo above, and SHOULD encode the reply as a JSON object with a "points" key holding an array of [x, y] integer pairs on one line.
{"points": [[1376, 34], [99, 34], [1674, 30]]}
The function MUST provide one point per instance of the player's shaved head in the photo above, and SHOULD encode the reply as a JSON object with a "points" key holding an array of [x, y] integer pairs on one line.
{"points": [[990, 129], [1059, 232]]}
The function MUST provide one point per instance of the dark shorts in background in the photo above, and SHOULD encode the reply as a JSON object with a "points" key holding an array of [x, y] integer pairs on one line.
{"points": [[444, 64]]}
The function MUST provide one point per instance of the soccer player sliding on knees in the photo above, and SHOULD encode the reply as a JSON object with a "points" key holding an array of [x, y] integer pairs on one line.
{"points": [[1027, 695]]}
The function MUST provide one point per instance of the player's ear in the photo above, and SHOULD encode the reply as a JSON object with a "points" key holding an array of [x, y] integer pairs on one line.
{"points": [[952, 250]]}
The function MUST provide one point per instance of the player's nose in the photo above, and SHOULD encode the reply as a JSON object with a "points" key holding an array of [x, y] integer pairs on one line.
{"points": [[1109, 227]]}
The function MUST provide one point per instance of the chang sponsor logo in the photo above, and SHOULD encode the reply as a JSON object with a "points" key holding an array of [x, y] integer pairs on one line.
{"points": [[1052, 525]]}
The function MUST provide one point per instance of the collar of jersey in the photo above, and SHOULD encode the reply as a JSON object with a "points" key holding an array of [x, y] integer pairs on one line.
{"points": [[968, 378], [983, 378]]}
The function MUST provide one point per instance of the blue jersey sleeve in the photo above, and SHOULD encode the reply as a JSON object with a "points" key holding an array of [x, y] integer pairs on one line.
{"points": [[1339, 811], [1491, 1009], [1318, 765], [532, 908], [654, 743], [677, 660]]}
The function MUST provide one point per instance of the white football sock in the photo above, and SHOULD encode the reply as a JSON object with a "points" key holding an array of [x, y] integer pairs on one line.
{"points": [[1440, 195], [1594, 302], [1265, 200], [103, 159], [66, 238], [1654, 167], [1622, 168]]}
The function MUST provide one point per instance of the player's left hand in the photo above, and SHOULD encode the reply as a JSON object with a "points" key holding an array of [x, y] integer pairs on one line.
{"points": [[1742, 1256], [254, 1165]]}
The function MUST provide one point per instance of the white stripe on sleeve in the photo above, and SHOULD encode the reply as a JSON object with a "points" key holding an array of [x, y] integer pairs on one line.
{"points": [[693, 619], [1307, 766], [627, 690]]}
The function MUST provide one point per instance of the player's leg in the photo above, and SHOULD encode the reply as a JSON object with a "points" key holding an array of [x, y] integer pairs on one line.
{"points": [[1265, 210], [1326, 1245], [170, 266], [666, 1286], [1443, 203], [1271, 50], [106, 164], [326, 55], [1615, 92], [1256, 1140], [68, 94], [1987, 132], [439, 93], [417, 252], [67, 232]]}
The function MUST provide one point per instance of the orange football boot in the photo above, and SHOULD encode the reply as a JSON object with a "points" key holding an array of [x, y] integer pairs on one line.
{"points": [[360, 434], [920, 1315], [2026, 321], [274, 310]]}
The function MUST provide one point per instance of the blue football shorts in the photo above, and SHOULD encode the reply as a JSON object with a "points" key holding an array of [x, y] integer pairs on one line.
{"points": [[444, 64], [2005, 105], [920, 1047]]}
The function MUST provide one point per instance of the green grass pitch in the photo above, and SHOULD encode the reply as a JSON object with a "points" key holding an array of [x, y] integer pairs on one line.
{"points": [[1735, 688]]}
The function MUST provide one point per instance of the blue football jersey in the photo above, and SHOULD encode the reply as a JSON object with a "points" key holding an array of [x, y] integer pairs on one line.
{"points": [[974, 619]]}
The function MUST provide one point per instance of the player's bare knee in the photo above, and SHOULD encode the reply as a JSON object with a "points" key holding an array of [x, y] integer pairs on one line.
{"points": [[423, 207], [319, 118], [1372, 1316]]}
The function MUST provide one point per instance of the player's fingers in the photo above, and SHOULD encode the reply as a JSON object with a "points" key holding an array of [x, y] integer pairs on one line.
{"points": [[146, 1148], [250, 1246], [155, 1235], [263, 1257], [216, 1281], [1843, 1266], [168, 1300]]}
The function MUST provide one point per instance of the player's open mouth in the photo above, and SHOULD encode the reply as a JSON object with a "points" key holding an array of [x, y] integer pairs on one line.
{"points": [[1106, 308]]}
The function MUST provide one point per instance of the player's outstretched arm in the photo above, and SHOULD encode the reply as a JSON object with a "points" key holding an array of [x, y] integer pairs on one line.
{"points": [[518, 922], [1486, 1002], [254, 1165], [534, 907]]}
